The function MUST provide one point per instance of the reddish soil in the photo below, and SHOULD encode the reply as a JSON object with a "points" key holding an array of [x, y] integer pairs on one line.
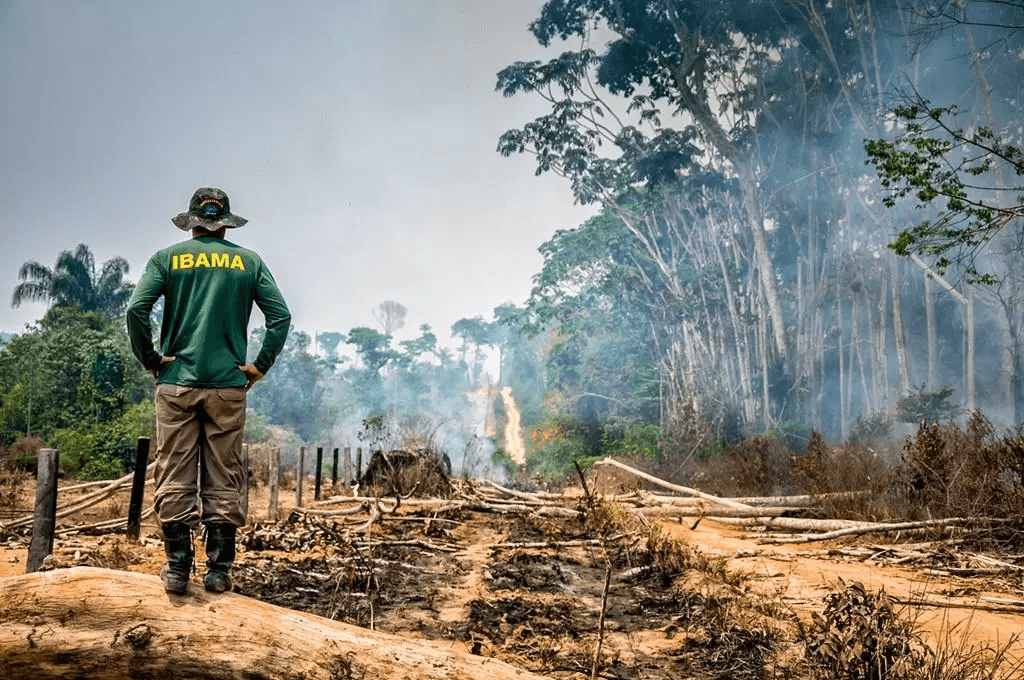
{"points": [[458, 575]]}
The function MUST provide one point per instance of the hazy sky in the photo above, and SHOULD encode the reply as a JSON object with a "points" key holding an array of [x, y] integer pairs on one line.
{"points": [[358, 139]]}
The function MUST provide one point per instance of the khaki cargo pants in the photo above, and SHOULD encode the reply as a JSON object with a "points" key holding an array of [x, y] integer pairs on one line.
{"points": [[200, 475]]}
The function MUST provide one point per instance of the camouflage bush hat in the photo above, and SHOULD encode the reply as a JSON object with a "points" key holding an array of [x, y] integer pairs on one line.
{"points": [[209, 209]]}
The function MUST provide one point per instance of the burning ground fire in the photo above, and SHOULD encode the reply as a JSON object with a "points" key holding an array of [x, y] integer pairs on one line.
{"points": [[512, 438]]}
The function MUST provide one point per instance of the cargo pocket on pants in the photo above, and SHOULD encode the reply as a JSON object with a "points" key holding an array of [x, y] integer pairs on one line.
{"points": [[229, 408]]}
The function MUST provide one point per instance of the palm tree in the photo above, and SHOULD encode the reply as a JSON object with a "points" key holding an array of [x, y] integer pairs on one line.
{"points": [[74, 281]]}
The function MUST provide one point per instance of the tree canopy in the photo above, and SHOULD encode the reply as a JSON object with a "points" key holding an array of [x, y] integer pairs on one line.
{"points": [[74, 280], [742, 244]]}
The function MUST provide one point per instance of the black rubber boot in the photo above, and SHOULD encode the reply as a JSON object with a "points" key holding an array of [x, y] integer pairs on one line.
{"points": [[178, 546], [220, 554]]}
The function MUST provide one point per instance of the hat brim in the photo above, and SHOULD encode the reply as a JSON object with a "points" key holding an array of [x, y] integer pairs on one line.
{"points": [[187, 221]]}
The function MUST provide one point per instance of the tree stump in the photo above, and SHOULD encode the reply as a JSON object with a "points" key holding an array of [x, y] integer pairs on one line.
{"points": [[99, 623]]}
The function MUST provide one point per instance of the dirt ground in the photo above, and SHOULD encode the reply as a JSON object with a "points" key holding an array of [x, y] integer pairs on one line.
{"points": [[530, 589]]}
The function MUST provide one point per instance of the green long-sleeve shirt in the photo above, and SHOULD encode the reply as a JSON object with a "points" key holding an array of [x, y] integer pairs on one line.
{"points": [[209, 286]]}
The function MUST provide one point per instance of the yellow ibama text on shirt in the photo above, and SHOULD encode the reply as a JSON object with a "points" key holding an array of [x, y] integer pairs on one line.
{"points": [[218, 260]]}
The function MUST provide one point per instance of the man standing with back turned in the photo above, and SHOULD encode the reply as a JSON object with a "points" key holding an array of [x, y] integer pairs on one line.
{"points": [[209, 286]]}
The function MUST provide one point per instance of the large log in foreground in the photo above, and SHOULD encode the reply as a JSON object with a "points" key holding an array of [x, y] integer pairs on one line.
{"points": [[98, 623]]}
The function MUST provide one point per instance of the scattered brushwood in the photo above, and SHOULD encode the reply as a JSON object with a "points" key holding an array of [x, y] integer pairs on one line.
{"points": [[838, 476], [336, 589], [663, 558], [542, 612], [863, 635], [111, 552], [299, 532], [723, 510], [737, 653], [341, 575], [949, 470], [399, 472], [756, 466]]}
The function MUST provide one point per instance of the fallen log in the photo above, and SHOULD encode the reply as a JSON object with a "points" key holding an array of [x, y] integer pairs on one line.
{"points": [[716, 512], [804, 500], [948, 523], [90, 623], [792, 523], [537, 495], [671, 487]]}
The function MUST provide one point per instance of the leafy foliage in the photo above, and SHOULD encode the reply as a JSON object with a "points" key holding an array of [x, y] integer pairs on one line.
{"points": [[862, 636], [73, 369], [74, 280], [293, 392], [923, 405], [554, 447], [945, 168], [106, 449]]}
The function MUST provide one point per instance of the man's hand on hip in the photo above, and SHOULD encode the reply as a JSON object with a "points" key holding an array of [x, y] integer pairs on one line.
{"points": [[155, 372], [252, 375]]}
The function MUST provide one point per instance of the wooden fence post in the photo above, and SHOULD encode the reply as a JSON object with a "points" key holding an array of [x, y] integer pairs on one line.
{"points": [[359, 463], [275, 481], [347, 476], [298, 476], [45, 518], [334, 472], [319, 469], [138, 488]]}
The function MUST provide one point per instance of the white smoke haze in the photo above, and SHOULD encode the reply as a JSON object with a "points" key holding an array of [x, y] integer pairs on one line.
{"points": [[461, 433]]}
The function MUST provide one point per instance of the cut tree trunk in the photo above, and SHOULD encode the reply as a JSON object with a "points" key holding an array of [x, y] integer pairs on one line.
{"points": [[98, 623]]}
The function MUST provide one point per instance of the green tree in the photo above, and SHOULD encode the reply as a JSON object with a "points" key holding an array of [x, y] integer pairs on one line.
{"points": [[329, 342], [293, 393], [425, 345], [953, 173], [373, 348], [668, 59], [72, 369], [476, 334], [366, 381], [74, 280]]}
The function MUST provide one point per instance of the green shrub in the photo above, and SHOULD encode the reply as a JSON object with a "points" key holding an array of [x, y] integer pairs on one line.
{"points": [[102, 466], [501, 459], [255, 428], [105, 450], [75, 447], [871, 429], [793, 434], [637, 439], [864, 635], [553, 445], [926, 405], [555, 458]]}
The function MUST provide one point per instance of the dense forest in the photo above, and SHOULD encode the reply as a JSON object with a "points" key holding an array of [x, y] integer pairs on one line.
{"points": [[809, 220], [810, 212]]}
